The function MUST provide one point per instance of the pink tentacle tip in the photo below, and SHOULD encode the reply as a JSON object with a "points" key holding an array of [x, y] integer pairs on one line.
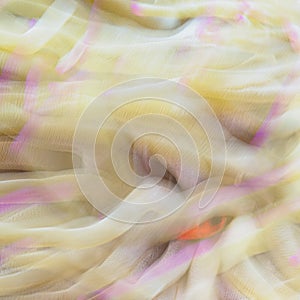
{"points": [[32, 22], [240, 18], [136, 9], [244, 10], [294, 260], [246, 6], [260, 137], [293, 33]]}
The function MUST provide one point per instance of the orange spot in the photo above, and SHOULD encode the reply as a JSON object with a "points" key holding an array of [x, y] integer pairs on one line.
{"points": [[206, 229]]}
